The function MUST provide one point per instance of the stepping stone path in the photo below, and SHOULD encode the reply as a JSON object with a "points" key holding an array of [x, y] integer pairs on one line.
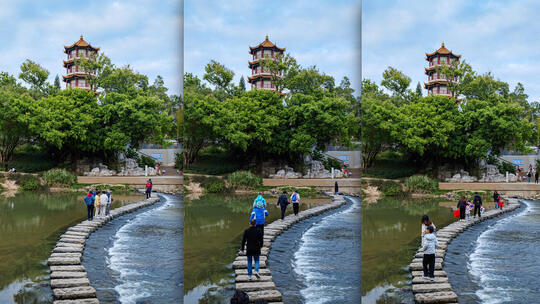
{"points": [[264, 289], [69, 280], [440, 290]]}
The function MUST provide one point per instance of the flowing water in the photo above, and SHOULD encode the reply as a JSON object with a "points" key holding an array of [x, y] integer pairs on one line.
{"points": [[30, 224], [390, 237], [318, 260], [137, 258], [496, 261], [213, 228]]}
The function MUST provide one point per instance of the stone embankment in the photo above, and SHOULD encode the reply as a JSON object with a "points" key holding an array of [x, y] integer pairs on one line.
{"points": [[69, 280], [440, 290], [264, 288]]}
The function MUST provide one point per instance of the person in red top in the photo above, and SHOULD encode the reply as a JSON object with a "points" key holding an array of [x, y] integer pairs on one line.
{"points": [[148, 189]]}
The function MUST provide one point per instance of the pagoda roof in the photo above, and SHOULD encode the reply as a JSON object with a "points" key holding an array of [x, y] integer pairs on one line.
{"points": [[267, 44], [254, 77], [442, 51], [76, 75], [82, 44]]}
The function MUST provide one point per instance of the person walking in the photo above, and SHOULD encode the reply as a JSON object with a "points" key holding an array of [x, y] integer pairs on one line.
{"points": [[295, 200], [259, 201], [496, 199], [336, 188], [253, 238], [109, 195], [148, 188], [477, 201], [89, 201], [428, 261], [103, 201], [282, 202], [425, 223], [529, 174], [461, 205], [259, 214]]}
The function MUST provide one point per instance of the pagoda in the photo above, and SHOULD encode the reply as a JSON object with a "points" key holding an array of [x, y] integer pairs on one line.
{"points": [[437, 84], [76, 76], [261, 78]]}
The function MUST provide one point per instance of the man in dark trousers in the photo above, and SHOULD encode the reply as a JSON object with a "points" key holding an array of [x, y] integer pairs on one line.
{"points": [[336, 188], [89, 201], [253, 237], [477, 201], [282, 202]]}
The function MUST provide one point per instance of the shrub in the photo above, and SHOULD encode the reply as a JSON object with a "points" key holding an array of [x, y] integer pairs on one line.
{"points": [[59, 177], [330, 163], [244, 180], [215, 185], [506, 166], [421, 183], [26, 182], [389, 188], [145, 160], [179, 160]]}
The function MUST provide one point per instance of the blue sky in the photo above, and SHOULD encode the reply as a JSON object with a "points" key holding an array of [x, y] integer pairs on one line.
{"points": [[135, 32], [501, 37], [321, 33]]}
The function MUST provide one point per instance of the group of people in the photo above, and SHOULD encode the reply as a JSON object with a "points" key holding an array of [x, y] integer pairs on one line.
{"points": [[465, 207], [531, 173], [100, 201], [253, 238]]}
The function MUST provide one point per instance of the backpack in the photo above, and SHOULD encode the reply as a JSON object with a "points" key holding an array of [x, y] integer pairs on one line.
{"points": [[240, 297], [293, 197]]}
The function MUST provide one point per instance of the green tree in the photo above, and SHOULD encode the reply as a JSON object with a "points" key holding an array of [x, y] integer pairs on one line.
{"points": [[13, 121], [242, 84], [396, 82], [57, 83], [220, 77], [419, 89], [459, 75], [36, 76], [282, 69], [95, 66]]}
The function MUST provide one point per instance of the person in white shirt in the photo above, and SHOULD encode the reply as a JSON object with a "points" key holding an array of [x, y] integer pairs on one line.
{"points": [[104, 199], [295, 199]]}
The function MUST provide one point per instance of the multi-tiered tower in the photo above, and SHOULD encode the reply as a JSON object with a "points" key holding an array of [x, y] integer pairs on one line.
{"points": [[261, 78], [437, 84], [76, 76]]}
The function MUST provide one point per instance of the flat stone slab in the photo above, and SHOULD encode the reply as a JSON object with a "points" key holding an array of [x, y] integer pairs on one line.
{"points": [[262, 272], [63, 283], [255, 286], [68, 249], [68, 274], [66, 255], [265, 295], [436, 297], [74, 293], [438, 254], [243, 264], [75, 233], [63, 261], [73, 240], [69, 268], [245, 279], [62, 244], [425, 288], [419, 260], [437, 273], [437, 280], [78, 301]]}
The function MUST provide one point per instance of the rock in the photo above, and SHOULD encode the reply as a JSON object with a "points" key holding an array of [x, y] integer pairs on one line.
{"points": [[78, 301], [63, 283], [68, 268], [437, 273], [265, 295], [424, 288], [436, 297], [74, 292], [421, 280], [63, 261], [68, 274], [245, 278], [255, 286]]}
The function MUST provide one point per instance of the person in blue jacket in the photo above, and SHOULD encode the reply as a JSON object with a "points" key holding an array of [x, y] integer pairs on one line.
{"points": [[89, 201], [259, 215]]}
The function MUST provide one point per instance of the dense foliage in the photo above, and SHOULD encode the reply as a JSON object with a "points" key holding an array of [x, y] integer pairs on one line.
{"points": [[244, 180], [482, 118]]}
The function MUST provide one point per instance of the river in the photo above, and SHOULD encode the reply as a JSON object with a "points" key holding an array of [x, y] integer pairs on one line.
{"points": [[30, 224]]}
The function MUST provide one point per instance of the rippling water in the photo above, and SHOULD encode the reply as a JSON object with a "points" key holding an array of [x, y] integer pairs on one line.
{"points": [[318, 259], [138, 258], [497, 261]]}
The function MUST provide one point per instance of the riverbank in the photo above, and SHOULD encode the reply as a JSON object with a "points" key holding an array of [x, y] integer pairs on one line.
{"points": [[440, 290], [69, 279], [264, 289]]}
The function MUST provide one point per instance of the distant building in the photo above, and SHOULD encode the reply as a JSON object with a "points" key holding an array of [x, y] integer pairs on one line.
{"points": [[261, 78], [437, 84], [76, 76]]}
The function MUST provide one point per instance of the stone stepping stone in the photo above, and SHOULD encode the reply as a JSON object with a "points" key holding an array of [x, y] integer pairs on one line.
{"points": [[80, 229], [243, 264], [74, 293], [436, 297], [419, 260], [241, 272], [437, 273], [438, 254], [437, 280], [78, 301], [66, 255], [418, 266], [265, 295], [74, 233], [245, 279], [63, 261], [255, 286], [68, 274], [264, 252], [69, 268], [62, 244], [425, 288], [68, 249], [63, 283], [73, 240]]}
